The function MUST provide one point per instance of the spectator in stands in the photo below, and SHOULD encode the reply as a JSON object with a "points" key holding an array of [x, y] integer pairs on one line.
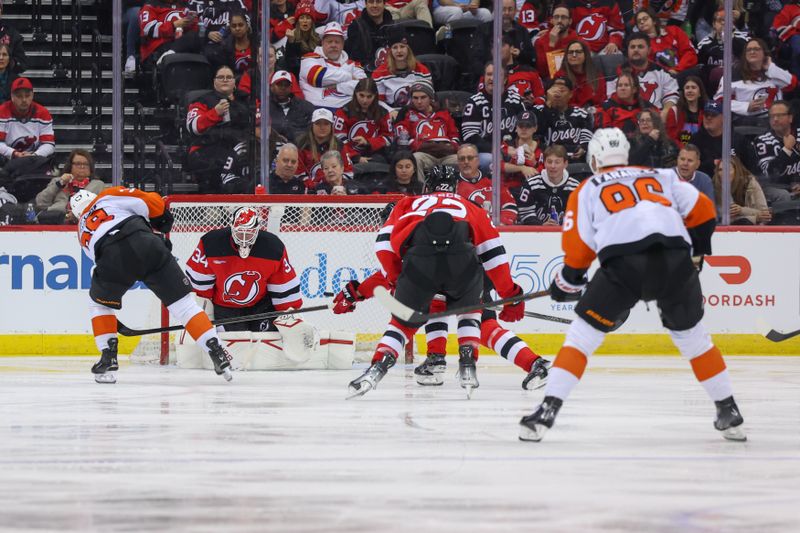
{"points": [[363, 125], [250, 84], [710, 50], [532, 14], [687, 170], [366, 35], [551, 43], [748, 205], [685, 118], [167, 26], [400, 70], [403, 174], [756, 83], [477, 186], [334, 183], [476, 125], [52, 203], [542, 199], [586, 77], [598, 23], [285, 179], [410, 9], [130, 25], [27, 140], [301, 40], [7, 74], [445, 11], [281, 19], [522, 156], [656, 85], [787, 26], [670, 47], [709, 138], [778, 154], [520, 76], [430, 132], [650, 145], [13, 39], [316, 141], [514, 32], [622, 108], [236, 48], [289, 115], [219, 123], [328, 76], [561, 123]]}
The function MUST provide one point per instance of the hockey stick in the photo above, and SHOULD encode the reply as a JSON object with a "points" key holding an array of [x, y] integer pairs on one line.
{"points": [[777, 336], [551, 318], [403, 312], [122, 329]]}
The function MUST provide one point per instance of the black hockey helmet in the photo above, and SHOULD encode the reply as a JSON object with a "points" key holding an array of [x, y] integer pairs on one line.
{"points": [[387, 211], [441, 178]]}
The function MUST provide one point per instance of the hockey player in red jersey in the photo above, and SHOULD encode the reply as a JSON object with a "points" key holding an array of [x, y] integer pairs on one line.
{"points": [[437, 244], [650, 230], [245, 270], [115, 229]]}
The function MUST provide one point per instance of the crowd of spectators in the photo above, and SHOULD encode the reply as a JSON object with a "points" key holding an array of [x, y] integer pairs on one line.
{"points": [[348, 92]]}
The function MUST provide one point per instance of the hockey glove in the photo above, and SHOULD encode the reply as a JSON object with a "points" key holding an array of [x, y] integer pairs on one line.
{"points": [[698, 261], [163, 223], [513, 312], [568, 285], [345, 301], [167, 242]]}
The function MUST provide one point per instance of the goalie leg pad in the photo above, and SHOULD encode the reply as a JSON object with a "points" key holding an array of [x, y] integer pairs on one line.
{"points": [[300, 339]]}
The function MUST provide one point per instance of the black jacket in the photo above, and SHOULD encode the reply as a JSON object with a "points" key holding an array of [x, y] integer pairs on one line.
{"points": [[364, 38], [11, 37], [292, 119]]}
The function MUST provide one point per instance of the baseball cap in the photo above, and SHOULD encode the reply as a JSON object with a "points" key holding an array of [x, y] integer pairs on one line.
{"points": [[526, 118], [21, 83], [322, 114], [280, 75], [713, 108], [333, 28], [563, 80]]}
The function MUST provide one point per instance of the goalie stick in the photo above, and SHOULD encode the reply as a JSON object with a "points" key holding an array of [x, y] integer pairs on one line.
{"points": [[403, 312], [124, 330], [551, 318]]}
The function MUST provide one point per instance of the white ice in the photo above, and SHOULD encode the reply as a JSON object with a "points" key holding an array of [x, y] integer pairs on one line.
{"points": [[181, 450]]}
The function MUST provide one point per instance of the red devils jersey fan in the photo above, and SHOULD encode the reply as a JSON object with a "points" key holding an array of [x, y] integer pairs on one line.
{"points": [[598, 23], [115, 229], [167, 25], [27, 140]]}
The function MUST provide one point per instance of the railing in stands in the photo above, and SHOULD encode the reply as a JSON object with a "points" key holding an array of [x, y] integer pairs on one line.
{"points": [[139, 145], [97, 95], [76, 55], [57, 41], [165, 169], [39, 36]]}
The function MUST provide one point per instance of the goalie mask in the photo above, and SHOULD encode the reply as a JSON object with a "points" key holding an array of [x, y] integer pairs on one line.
{"points": [[244, 229], [80, 201], [609, 147], [441, 178]]}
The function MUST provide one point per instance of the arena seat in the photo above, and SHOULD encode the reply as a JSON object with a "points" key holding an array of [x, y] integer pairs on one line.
{"points": [[608, 64], [444, 70], [181, 73], [421, 37]]}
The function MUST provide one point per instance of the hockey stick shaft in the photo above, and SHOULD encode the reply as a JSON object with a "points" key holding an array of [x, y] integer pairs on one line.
{"points": [[124, 330], [551, 318], [777, 336]]}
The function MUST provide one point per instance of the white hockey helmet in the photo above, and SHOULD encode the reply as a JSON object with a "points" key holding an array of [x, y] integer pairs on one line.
{"points": [[609, 147], [244, 229], [80, 201]]}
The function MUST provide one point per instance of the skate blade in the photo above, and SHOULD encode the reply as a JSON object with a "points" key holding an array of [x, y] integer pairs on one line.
{"points": [[535, 384], [439, 369], [735, 434], [469, 390], [106, 377], [430, 381], [532, 434], [227, 374], [355, 393]]}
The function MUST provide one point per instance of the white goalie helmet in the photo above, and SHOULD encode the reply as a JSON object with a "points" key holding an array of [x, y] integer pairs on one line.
{"points": [[80, 201], [609, 147], [244, 229]]}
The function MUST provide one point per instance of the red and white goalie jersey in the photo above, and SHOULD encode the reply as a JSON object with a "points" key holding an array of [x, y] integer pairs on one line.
{"points": [[218, 273], [110, 209], [628, 209], [390, 245]]}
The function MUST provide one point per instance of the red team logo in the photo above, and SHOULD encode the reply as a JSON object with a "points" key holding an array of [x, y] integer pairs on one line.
{"points": [[592, 28], [242, 288], [23, 144], [646, 90], [429, 130], [361, 128]]}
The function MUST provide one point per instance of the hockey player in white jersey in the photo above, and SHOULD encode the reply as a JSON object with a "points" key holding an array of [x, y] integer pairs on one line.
{"points": [[649, 231]]}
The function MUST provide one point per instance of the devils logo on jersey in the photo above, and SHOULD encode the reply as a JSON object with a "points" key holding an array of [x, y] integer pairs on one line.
{"points": [[430, 130], [402, 96], [591, 28], [768, 93], [363, 128], [23, 144], [380, 56], [241, 288], [647, 89], [482, 198]]}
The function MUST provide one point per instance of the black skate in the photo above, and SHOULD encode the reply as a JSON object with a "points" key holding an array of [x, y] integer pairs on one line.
{"points": [[369, 380], [105, 370], [729, 420], [537, 377], [467, 372], [221, 359], [431, 371], [533, 427]]}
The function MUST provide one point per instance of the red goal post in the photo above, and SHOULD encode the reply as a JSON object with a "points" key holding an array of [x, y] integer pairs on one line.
{"points": [[329, 240]]}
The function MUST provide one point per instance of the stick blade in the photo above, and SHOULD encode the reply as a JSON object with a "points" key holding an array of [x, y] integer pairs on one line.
{"points": [[777, 336], [398, 309]]}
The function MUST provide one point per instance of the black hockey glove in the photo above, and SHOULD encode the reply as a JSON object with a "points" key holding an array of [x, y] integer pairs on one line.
{"points": [[167, 242], [163, 223], [568, 285]]}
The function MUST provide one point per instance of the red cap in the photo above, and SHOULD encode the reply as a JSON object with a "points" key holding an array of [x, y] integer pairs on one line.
{"points": [[21, 83]]}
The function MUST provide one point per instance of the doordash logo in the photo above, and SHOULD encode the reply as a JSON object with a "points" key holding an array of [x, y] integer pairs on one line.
{"points": [[734, 270]]}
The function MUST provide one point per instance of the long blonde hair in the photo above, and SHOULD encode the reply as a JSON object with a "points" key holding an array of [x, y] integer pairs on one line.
{"points": [[412, 61]]}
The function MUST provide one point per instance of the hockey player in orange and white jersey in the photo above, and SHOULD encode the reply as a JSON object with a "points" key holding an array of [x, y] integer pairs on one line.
{"points": [[635, 221], [115, 229]]}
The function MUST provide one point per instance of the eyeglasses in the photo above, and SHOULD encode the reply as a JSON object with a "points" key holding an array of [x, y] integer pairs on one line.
{"points": [[574, 52], [560, 17], [645, 119], [465, 158], [224, 78]]}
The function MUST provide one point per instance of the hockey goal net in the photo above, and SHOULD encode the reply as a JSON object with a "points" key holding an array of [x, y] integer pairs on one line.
{"points": [[329, 240]]}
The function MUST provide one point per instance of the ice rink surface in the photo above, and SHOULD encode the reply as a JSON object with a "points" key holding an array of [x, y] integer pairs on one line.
{"points": [[181, 450]]}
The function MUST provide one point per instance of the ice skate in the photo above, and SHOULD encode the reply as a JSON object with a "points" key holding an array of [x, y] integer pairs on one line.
{"points": [[534, 426], [431, 371], [221, 359], [467, 372], [105, 370], [729, 420], [369, 380], [537, 377]]}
